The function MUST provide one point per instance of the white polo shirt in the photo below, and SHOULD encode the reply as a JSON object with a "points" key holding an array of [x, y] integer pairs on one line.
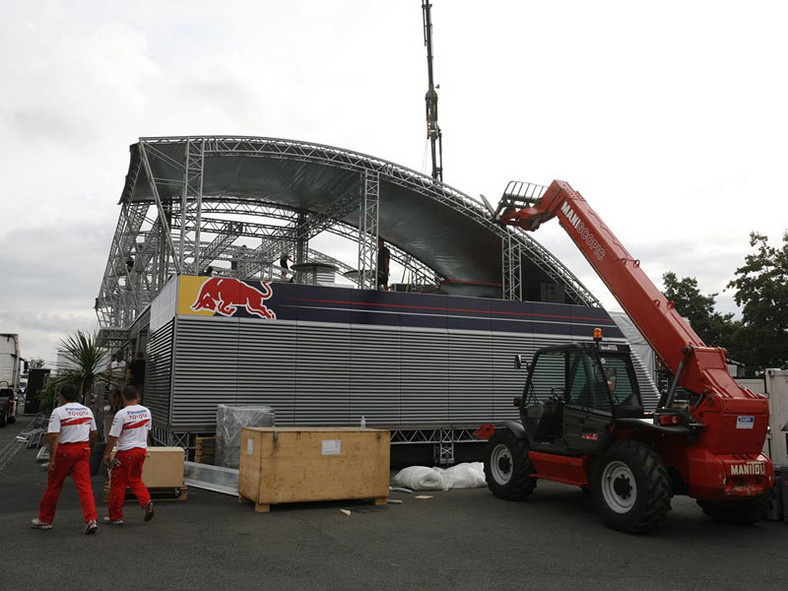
{"points": [[131, 425], [73, 422], [117, 371]]}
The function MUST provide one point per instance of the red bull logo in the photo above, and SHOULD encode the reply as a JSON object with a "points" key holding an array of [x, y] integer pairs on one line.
{"points": [[225, 295]]}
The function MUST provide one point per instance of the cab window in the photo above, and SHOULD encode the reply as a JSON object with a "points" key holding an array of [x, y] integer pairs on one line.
{"points": [[586, 382], [623, 390], [548, 378]]}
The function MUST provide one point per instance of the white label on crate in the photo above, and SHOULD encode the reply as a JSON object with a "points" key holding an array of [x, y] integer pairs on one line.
{"points": [[332, 447], [250, 446], [745, 422]]}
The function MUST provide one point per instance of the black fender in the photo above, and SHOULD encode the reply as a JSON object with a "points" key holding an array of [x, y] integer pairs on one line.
{"points": [[516, 427]]}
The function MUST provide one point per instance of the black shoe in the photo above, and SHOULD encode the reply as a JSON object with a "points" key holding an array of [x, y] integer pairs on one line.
{"points": [[149, 511]]}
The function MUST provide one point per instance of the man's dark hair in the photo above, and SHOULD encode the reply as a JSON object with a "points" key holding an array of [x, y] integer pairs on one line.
{"points": [[69, 393], [130, 393]]}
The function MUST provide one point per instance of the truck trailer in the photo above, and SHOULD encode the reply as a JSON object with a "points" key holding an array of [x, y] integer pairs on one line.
{"points": [[10, 365]]}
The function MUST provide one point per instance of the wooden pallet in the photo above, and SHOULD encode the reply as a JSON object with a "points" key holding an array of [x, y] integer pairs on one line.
{"points": [[266, 507], [205, 450], [178, 493]]}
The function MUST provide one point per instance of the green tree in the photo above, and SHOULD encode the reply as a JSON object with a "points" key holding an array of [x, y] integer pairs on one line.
{"points": [[36, 363], [47, 396], [713, 328], [88, 358], [761, 286]]}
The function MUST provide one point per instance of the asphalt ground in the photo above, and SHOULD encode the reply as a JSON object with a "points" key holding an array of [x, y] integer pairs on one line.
{"points": [[459, 539]]}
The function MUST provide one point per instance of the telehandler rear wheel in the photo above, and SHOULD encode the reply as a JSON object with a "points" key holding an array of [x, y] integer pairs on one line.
{"points": [[631, 487], [507, 467]]}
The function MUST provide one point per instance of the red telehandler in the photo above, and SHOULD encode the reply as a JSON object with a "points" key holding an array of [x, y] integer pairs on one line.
{"points": [[582, 417]]}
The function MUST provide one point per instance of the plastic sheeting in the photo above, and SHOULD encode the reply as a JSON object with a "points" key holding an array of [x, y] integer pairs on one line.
{"points": [[213, 478], [230, 419], [467, 475], [637, 341]]}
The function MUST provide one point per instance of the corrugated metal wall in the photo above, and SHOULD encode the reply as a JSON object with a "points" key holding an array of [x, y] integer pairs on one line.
{"points": [[331, 374], [648, 389], [158, 372]]}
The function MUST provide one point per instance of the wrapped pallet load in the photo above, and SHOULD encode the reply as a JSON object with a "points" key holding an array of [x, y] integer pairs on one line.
{"points": [[230, 419]]}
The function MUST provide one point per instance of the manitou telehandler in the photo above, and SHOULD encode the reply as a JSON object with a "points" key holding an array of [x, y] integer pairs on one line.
{"points": [[582, 417]]}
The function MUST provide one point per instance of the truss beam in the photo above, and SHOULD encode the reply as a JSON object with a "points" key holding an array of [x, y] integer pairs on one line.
{"points": [[368, 230], [165, 214]]}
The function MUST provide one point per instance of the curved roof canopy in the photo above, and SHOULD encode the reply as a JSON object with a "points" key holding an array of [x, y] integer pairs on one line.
{"points": [[323, 188]]}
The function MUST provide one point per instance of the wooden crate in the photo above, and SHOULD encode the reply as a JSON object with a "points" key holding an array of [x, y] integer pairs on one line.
{"points": [[205, 450], [299, 464], [163, 467]]}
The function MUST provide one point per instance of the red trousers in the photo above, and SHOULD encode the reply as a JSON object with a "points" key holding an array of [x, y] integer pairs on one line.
{"points": [[74, 459], [128, 474]]}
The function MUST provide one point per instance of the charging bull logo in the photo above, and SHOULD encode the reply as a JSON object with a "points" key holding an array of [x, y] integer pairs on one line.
{"points": [[226, 295]]}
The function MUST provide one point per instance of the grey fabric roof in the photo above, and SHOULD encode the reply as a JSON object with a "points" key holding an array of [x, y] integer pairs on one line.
{"points": [[438, 225]]}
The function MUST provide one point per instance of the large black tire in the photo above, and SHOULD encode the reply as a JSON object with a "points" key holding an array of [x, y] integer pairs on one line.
{"points": [[744, 512], [2, 417], [631, 487], [507, 467]]}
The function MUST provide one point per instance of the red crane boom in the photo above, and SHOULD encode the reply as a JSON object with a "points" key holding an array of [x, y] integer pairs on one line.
{"points": [[698, 368]]}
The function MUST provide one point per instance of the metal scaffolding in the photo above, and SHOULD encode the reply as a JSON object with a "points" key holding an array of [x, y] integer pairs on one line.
{"points": [[169, 224]]}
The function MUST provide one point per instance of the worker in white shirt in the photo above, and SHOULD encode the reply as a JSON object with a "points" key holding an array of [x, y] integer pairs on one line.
{"points": [[129, 432], [71, 434], [116, 381]]}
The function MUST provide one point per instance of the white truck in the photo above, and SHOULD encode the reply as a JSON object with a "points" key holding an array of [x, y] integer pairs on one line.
{"points": [[10, 363]]}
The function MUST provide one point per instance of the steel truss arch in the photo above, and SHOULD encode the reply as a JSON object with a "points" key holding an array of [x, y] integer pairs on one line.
{"points": [[192, 202]]}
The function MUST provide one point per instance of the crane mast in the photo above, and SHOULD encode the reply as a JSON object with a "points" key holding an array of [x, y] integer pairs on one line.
{"points": [[433, 129]]}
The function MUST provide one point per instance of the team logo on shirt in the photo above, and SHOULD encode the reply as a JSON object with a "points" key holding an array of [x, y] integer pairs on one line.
{"points": [[75, 421], [138, 419], [76, 416]]}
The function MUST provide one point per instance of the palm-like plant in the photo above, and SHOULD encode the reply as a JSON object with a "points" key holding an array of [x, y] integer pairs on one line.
{"points": [[83, 351]]}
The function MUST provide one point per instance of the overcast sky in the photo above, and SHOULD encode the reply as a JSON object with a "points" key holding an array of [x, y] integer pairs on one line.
{"points": [[669, 117]]}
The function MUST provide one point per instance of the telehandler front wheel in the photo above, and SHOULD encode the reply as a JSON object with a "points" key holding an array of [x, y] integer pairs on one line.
{"points": [[507, 467], [631, 487]]}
